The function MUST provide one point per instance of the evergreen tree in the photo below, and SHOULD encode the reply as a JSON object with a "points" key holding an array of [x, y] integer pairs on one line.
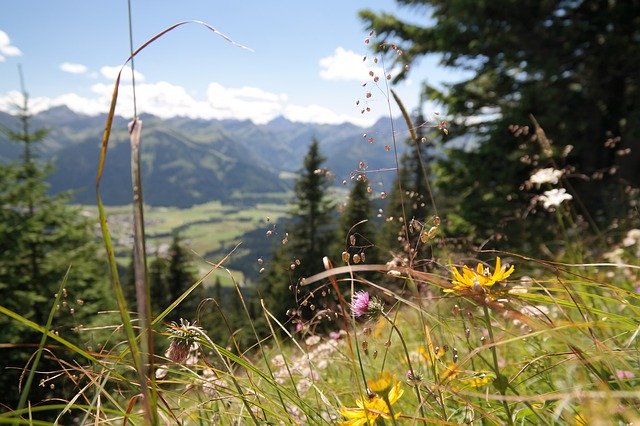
{"points": [[180, 275], [217, 291], [356, 233], [409, 210], [158, 284], [158, 278], [571, 64], [41, 238], [307, 240], [128, 283]]}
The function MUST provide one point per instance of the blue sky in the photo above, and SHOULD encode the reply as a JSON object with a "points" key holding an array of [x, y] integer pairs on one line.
{"points": [[306, 61]]}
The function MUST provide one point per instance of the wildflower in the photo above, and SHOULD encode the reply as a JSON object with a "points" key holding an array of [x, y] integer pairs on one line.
{"points": [[479, 280], [437, 353], [450, 371], [370, 410], [554, 197], [278, 360], [362, 304], [312, 340], [184, 339], [624, 375], [382, 384], [178, 351], [542, 176], [478, 380], [336, 335], [632, 238], [183, 347], [580, 420]]}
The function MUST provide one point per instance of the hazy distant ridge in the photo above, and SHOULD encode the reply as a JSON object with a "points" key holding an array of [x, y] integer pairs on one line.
{"points": [[190, 161]]}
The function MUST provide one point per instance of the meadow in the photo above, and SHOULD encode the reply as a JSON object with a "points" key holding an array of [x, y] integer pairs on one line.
{"points": [[478, 336], [210, 230]]}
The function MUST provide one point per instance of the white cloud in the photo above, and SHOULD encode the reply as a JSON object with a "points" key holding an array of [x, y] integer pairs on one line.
{"points": [[111, 73], [347, 65], [168, 100], [245, 103], [319, 114], [6, 48], [10, 100], [73, 68]]}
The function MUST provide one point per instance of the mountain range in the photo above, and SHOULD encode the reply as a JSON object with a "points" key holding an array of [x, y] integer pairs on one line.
{"points": [[191, 161]]}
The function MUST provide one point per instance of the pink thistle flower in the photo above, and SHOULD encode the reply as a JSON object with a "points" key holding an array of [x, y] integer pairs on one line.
{"points": [[360, 303], [363, 305]]}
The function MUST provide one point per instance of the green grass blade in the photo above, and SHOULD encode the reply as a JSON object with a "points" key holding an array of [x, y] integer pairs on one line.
{"points": [[27, 387]]}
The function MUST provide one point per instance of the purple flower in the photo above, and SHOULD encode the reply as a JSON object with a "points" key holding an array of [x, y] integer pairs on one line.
{"points": [[360, 303], [624, 375], [335, 335]]}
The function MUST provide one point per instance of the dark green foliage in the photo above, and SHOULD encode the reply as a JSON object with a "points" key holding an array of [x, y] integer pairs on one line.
{"points": [[158, 282], [357, 231], [307, 239], [572, 64], [170, 275], [41, 238], [158, 286], [409, 208]]}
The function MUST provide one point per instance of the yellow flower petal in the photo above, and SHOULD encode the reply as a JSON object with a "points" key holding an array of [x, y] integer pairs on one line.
{"points": [[381, 384], [471, 279], [395, 393]]}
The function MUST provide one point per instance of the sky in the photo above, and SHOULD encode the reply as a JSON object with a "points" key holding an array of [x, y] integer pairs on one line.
{"points": [[304, 60]]}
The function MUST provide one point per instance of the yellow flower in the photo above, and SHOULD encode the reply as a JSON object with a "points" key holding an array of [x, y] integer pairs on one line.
{"points": [[450, 371], [579, 420], [479, 280], [478, 380], [369, 410], [424, 352], [382, 384]]}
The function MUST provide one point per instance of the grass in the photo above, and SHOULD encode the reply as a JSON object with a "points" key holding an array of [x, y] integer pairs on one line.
{"points": [[565, 350]]}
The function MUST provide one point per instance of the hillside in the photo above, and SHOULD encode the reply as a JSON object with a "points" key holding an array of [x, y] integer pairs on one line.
{"points": [[193, 161]]}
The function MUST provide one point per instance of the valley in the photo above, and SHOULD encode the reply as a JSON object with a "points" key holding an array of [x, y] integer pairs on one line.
{"points": [[210, 230]]}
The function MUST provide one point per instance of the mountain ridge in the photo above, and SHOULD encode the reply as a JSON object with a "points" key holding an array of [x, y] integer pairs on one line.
{"points": [[191, 161]]}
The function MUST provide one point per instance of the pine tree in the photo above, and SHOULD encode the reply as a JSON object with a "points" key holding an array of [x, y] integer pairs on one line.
{"points": [[571, 64], [180, 275], [308, 239], [41, 239], [409, 208], [357, 233], [312, 228], [158, 277]]}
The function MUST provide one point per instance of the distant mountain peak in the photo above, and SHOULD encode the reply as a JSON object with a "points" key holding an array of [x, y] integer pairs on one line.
{"points": [[279, 122], [59, 110]]}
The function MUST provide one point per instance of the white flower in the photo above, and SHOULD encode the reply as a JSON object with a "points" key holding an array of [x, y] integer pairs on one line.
{"points": [[312, 340], [633, 237], [614, 255], [277, 361], [303, 385], [554, 197], [548, 175]]}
